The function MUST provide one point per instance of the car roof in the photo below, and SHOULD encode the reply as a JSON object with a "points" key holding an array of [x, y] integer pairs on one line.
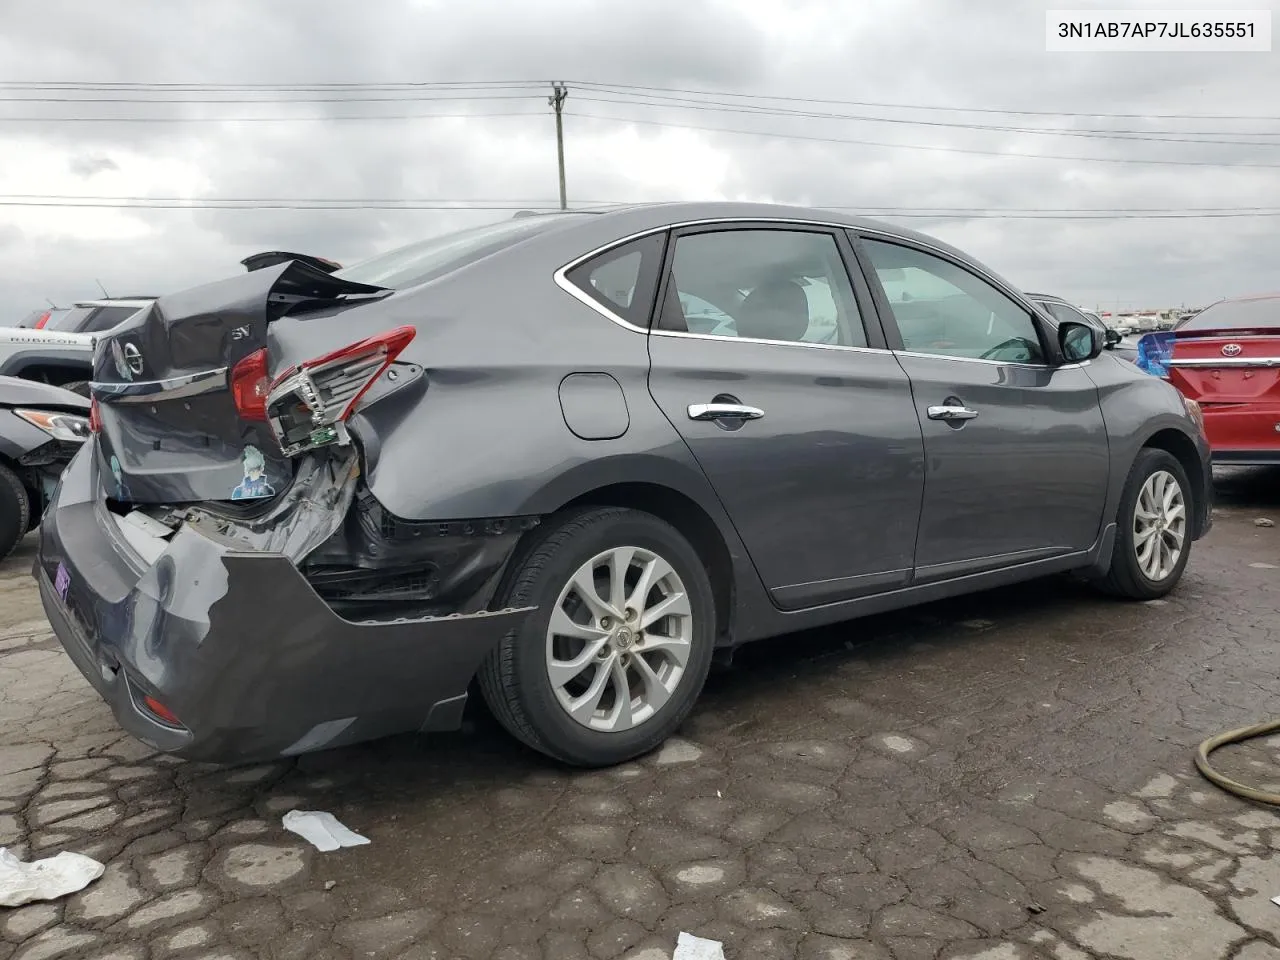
{"points": [[118, 302], [625, 220], [682, 211], [1250, 297]]}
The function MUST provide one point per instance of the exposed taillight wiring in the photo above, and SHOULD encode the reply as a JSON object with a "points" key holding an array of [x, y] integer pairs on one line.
{"points": [[308, 404]]}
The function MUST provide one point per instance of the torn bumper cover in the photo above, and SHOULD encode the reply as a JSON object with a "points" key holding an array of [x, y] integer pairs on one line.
{"points": [[214, 651]]}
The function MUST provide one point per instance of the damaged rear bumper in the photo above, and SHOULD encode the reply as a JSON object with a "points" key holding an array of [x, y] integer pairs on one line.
{"points": [[236, 645]]}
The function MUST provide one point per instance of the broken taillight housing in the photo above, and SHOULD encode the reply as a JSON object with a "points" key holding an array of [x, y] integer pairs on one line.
{"points": [[249, 386], [308, 405]]}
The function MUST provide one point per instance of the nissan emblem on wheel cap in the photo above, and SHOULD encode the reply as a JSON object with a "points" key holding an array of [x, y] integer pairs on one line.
{"points": [[1232, 350]]}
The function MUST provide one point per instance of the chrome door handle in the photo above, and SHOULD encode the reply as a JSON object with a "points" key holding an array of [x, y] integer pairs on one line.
{"points": [[951, 412], [723, 411]]}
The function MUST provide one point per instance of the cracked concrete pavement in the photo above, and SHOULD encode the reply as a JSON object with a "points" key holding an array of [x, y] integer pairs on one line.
{"points": [[1003, 777]]}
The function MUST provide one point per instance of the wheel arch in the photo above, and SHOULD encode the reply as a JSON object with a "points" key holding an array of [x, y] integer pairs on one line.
{"points": [[689, 518], [1182, 448]]}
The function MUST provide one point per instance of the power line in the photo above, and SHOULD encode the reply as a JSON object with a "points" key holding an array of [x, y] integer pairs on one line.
{"points": [[518, 202], [196, 86], [313, 118], [388, 86], [679, 103], [929, 147], [548, 206], [1195, 137], [551, 206], [1159, 136], [936, 107], [242, 100]]}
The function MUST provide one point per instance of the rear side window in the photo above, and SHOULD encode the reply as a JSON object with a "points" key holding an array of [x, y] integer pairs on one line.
{"points": [[774, 285], [624, 279], [1261, 314]]}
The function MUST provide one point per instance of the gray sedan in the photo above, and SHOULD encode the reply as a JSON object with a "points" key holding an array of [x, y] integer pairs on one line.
{"points": [[563, 459]]}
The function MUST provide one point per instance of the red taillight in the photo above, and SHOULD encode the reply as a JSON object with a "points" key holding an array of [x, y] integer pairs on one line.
{"points": [[366, 358], [44, 318], [309, 403], [95, 416], [161, 711], [249, 385]]}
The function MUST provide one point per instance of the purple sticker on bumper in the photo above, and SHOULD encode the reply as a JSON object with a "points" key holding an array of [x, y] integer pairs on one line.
{"points": [[62, 581]]}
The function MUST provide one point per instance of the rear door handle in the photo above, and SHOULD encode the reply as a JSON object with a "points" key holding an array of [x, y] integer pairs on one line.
{"points": [[951, 412], [723, 411]]}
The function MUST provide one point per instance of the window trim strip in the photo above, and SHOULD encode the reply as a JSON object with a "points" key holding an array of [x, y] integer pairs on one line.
{"points": [[562, 281]]}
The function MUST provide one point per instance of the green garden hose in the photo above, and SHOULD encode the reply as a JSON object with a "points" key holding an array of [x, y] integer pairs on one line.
{"points": [[1226, 783]]}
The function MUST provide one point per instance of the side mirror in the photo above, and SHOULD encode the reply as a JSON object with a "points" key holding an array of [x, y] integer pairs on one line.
{"points": [[1113, 337], [1079, 341]]}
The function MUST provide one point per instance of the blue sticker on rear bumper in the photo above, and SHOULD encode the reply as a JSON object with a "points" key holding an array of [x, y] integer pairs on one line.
{"points": [[62, 582], [254, 486], [122, 488]]}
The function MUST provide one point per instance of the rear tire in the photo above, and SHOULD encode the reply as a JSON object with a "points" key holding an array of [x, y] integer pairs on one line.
{"points": [[1156, 513], [15, 511], [658, 650]]}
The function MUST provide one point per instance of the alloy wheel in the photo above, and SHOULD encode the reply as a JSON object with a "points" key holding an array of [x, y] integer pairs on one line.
{"points": [[619, 639], [1159, 526]]}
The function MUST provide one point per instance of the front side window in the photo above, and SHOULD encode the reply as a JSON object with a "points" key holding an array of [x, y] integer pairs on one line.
{"points": [[787, 286], [941, 308]]}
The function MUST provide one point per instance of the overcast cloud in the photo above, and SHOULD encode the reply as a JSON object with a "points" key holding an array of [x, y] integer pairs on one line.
{"points": [[958, 53]]}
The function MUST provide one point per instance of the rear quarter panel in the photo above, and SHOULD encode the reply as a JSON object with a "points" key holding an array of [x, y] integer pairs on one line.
{"points": [[484, 433]]}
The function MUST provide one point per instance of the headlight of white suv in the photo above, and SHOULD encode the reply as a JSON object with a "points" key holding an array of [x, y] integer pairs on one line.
{"points": [[68, 427]]}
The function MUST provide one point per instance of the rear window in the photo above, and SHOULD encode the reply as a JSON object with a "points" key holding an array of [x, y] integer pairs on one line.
{"points": [[419, 262], [107, 317], [71, 321], [1236, 315], [90, 319]]}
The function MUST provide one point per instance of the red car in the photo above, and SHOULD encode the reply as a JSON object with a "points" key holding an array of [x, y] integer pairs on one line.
{"points": [[1227, 357]]}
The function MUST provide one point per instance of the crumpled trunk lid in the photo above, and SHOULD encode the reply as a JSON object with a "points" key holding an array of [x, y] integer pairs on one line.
{"points": [[170, 430]]}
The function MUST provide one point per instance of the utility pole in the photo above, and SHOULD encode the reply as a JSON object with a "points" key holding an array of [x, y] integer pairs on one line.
{"points": [[559, 93]]}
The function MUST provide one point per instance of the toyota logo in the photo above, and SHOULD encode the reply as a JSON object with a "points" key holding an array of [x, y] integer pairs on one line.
{"points": [[133, 357], [1232, 350]]}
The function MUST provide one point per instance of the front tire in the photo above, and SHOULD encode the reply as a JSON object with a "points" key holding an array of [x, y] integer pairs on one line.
{"points": [[613, 660], [1153, 529], [15, 511]]}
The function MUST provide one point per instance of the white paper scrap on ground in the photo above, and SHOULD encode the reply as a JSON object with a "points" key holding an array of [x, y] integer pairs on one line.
{"points": [[689, 947], [321, 830], [1276, 901], [46, 879]]}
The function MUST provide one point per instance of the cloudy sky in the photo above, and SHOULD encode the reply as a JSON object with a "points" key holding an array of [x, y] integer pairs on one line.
{"points": [[884, 105]]}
